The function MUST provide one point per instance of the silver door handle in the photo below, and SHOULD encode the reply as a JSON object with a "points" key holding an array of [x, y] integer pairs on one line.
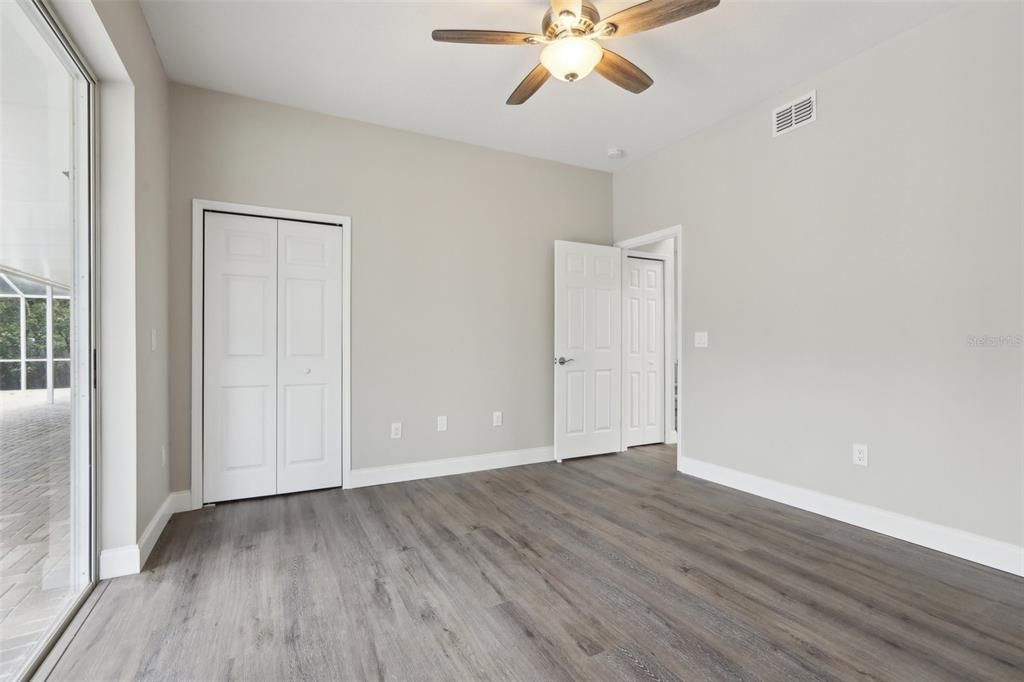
{"points": [[563, 361]]}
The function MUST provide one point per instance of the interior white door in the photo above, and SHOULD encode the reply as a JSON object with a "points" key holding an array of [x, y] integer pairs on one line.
{"points": [[644, 374], [309, 357], [588, 349], [239, 357]]}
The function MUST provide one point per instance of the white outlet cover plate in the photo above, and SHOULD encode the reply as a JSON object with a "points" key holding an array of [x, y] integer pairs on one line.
{"points": [[442, 423], [700, 339], [860, 454], [396, 429], [496, 419]]}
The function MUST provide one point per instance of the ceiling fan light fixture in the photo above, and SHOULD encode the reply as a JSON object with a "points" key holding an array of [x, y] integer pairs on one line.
{"points": [[572, 58], [567, 20], [570, 30]]}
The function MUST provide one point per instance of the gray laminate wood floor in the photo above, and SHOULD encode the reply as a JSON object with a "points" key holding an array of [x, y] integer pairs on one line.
{"points": [[609, 568]]}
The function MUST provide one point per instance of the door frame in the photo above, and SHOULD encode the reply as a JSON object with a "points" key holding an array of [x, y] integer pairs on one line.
{"points": [[199, 209], [670, 325], [676, 234]]}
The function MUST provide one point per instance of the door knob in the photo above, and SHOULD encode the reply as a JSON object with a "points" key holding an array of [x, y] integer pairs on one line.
{"points": [[563, 360]]}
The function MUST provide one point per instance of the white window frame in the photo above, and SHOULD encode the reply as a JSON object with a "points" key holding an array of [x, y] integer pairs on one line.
{"points": [[84, 432]]}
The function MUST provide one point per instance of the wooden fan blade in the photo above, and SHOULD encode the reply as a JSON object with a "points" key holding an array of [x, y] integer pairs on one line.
{"points": [[623, 72], [530, 85], [650, 14], [559, 6], [487, 37]]}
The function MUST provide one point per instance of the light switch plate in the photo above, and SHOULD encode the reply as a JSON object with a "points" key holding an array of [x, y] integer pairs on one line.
{"points": [[496, 419], [442, 423], [396, 429], [700, 339]]}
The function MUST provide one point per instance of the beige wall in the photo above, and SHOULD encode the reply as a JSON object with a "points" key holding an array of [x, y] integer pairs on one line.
{"points": [[841, 268], [114, 241], [452, 265]]}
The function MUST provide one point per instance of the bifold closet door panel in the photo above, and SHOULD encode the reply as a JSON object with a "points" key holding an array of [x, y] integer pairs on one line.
{"points": [[309, 356], [239, 357]]}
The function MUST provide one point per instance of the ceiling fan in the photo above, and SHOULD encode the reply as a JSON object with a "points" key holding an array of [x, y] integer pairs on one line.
{"points": [[569, 33]]}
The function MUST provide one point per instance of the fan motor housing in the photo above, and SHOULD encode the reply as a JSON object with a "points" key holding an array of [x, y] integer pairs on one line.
{"points": [[553, 29]]}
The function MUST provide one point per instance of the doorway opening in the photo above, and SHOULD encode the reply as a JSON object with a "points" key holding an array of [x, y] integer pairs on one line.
{"points": [[616, 382], [649, 255], [648, 357]]}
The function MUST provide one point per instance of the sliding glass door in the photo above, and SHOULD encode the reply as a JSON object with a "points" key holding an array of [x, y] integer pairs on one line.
{"points": [[46, 489]]}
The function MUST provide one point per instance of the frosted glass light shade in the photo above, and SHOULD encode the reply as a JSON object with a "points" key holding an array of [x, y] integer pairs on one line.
{"points": [[570, 59]]}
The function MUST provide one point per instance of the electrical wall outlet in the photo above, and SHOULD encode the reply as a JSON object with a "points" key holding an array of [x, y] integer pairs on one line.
{"points": [[496, 419], [396, 429], [700, 339], [442, 423], [860, 454]]}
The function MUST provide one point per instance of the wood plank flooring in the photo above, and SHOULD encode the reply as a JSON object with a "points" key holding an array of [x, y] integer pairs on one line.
{"points": [[606, 568]]}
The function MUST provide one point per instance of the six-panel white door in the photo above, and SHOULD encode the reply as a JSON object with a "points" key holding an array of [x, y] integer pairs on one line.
{"points": [[239, 357], [309, 356], [588, 349], [644, 374]]}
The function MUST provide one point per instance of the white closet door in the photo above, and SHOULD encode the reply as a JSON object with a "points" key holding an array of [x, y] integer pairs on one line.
{"points": [[644, 313], [309, 357], [588, 349], [239, 357]]}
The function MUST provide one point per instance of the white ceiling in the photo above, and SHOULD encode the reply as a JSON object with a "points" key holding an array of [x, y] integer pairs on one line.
{"points": [[375, 62]]}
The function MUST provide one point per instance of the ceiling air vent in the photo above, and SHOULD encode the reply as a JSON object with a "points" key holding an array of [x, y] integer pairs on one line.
{"points": [[800, 111]]}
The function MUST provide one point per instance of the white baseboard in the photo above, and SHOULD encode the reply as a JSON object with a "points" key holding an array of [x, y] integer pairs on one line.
{"points": [[447, 467], [118, 561], [130, 559], [175, 502], [977, 548]]}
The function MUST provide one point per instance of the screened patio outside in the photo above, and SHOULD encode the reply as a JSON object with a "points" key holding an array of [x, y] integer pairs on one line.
{"points": [[35, 334], [35, 484]]}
